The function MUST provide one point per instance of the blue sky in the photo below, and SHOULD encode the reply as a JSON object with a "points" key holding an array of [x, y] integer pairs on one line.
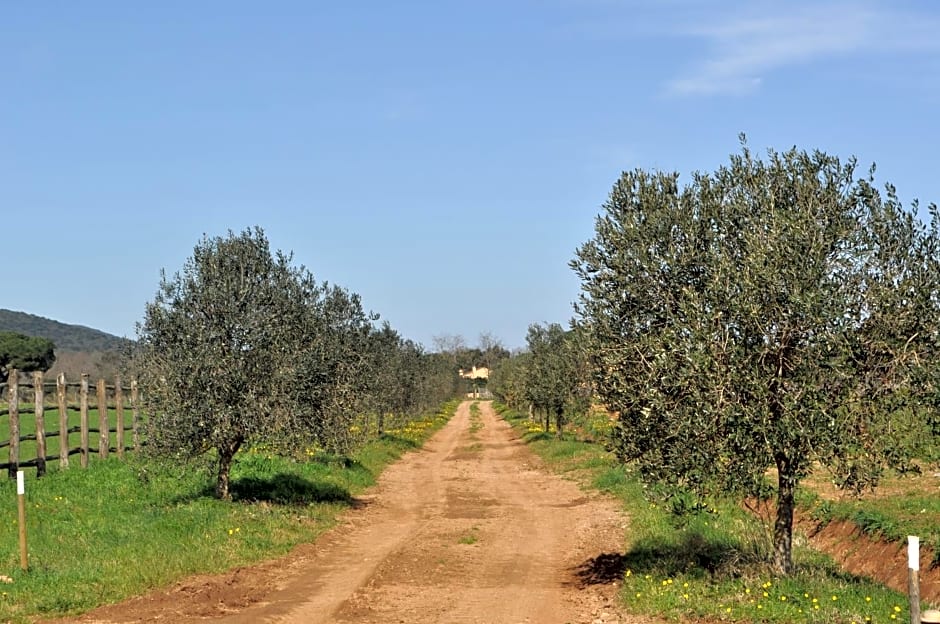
{"points": [[444, 159]]}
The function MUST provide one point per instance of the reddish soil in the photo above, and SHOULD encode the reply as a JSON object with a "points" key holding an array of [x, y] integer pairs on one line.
{"points": [[860, 554], [467, 529]]}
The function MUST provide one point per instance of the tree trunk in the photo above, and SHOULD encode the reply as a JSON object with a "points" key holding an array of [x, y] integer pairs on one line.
{"points": [[783, 525], [226, 455], [559, 421]]}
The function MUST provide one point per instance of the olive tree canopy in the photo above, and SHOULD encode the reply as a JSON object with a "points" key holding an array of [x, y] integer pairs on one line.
{"points": [[776, 314], [241, 347], [552, 380]]}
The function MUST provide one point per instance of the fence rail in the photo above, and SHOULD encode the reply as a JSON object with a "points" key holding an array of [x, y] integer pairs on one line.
{"points": [[105, 398]]}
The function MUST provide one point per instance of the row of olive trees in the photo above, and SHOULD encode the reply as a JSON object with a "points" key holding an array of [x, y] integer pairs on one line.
{"points": [[548, 378], [771, 317], [242, 348]]}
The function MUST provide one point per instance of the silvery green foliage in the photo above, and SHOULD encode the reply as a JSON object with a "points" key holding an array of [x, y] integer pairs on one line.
{"points": [[242, 348], [777, 313], [508, 380], [553, 383]]}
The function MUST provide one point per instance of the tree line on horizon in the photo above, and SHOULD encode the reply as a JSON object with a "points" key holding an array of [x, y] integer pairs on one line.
{"points": [[76, 349], [776, 316], [65, 336]]}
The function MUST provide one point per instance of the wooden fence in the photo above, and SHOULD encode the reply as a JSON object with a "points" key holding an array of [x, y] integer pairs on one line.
{"points": [[106, 397]]}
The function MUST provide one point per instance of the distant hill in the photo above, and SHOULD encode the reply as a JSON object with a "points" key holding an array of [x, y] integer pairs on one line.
{"points": [[65, 337]]}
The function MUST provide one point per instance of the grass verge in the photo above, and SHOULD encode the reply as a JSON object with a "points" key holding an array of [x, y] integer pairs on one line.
{"points": [[709, 566], [889, 516], [120, 528], [475, 422]]}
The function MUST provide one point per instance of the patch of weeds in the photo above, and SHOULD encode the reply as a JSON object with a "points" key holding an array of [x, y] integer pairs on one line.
{"points": [[476, 424], [470, 538]]}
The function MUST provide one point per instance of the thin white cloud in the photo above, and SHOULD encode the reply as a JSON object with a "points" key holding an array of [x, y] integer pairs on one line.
{"points": [[743, 51]]}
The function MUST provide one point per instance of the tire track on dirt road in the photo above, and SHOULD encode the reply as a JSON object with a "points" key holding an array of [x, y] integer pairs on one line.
{"points": [[467, 529]]}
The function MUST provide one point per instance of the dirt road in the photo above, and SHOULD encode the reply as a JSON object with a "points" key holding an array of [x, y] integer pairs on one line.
{"points": [[467, 529]]}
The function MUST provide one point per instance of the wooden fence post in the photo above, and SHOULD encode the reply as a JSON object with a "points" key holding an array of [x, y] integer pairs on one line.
{"points": [[40, 406], [135, 414], [119, 411], [104, 432], [60, 389], [83, 424], [13, 393]]}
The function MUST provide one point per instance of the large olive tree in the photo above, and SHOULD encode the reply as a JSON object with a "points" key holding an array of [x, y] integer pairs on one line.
{"points": [[771, 316], [241, 347]]}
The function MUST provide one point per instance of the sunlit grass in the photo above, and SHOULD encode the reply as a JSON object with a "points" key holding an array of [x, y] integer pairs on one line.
{"points": [[51, 426]]}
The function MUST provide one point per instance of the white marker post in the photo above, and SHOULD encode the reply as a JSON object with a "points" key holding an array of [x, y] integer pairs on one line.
{"points": [[913, 573], [21, 513]]}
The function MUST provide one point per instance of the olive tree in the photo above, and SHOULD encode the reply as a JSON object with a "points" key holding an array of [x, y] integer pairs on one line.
{"points": [[552, 380], [507, 380], [769, 317], [333, 375], [398, 376], [438, 379], [230, 346]]}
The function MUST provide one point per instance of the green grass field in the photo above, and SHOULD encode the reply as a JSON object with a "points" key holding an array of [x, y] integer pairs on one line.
{"points": [[120, 528], [51, 421], [711, 565]]}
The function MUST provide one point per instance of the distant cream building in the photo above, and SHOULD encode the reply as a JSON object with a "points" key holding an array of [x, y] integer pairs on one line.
{"points": [[475, 373]]}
